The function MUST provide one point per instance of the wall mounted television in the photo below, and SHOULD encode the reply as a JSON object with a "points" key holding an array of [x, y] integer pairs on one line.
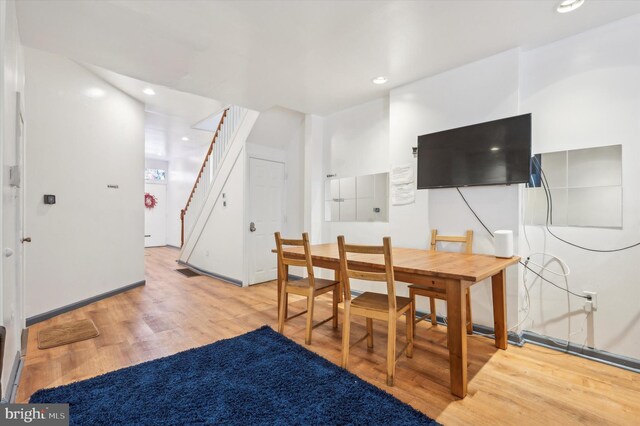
{"points": [[492, 153]]}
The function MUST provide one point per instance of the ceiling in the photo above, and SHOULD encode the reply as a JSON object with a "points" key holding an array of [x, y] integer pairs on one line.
{"points": [[170, 115], [315, 56]]}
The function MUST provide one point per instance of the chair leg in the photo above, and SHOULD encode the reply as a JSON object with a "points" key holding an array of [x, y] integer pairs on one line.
{"points": [[282, 312], [285, 296], [410, 329], [346, 330], [369, 333], [391, 350], [469, 319], [432, 306], [286, 305], [412, 296], [336, 298], [412, 310], [310, 300]]}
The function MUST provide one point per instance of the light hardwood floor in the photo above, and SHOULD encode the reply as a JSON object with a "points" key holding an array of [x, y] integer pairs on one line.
{"points": [[529, 385]]}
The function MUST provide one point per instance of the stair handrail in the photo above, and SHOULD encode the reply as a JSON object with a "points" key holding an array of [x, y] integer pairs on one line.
{"points": [[204, 164]]}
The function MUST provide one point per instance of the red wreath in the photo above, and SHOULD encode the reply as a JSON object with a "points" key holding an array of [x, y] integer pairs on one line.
{"points": [[150, 201]]}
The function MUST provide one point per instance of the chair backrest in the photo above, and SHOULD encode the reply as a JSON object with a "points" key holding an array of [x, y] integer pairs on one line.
{"points": [[346, 273], [287, 259], [466, 240]]}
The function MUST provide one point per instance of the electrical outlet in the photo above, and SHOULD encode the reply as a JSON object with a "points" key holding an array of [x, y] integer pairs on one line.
{"points": [[591, 305]]}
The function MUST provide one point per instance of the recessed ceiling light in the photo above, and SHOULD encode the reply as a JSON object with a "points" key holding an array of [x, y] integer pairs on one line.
{"points": [[149, 91], [569, 5], [380, 80], [495, 148], [95, 92], [184, 138]]}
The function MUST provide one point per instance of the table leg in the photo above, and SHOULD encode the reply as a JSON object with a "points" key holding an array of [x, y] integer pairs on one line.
{"points": [[336, 277], [457, 337], [499, 292]]}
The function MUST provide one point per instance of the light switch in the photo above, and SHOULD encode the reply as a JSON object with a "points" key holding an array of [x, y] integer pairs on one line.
{"points": [[14, 176]]}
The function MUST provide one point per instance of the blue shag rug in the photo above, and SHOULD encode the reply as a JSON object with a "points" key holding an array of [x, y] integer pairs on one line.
{"points": [[257, 378]]}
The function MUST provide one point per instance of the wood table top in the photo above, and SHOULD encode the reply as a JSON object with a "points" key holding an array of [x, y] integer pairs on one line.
{"points": [[441, 264]]}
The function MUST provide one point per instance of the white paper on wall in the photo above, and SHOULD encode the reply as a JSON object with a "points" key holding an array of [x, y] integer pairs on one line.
{"points": [[402, 194], [401, 174], [402, 187]]}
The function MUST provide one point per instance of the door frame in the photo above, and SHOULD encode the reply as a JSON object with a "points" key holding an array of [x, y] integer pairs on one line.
{"points": [[260, 152]]}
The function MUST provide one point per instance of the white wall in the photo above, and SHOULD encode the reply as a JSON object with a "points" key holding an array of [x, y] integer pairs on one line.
{"points": [[584, 92], [377, 135], [278, 134], [358, 139], [220, 247], [91, 241], [181, 177], [12, 82], [480, 91], [153, 163], [216, 243], [356, 142], [314, 175]]}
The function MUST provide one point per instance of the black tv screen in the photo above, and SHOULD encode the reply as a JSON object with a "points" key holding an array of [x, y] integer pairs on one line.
{"points": [[492, 153]]}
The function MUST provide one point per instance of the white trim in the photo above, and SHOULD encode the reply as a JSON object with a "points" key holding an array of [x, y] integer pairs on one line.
{"points": [[14, 380]]}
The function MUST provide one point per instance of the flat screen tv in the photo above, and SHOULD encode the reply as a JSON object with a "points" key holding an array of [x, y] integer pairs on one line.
{"points": [[492, 153]]}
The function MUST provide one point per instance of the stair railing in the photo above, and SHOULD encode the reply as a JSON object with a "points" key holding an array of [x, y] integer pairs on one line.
{"points": [[229, 121]]}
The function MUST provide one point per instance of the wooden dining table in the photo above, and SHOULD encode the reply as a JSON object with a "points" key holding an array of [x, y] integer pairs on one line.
{"points": [[453, 272]]}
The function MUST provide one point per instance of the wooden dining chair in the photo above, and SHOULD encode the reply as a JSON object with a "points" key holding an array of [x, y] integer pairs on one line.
{"points": [[310, 287], [437, 290], [387, 307]]}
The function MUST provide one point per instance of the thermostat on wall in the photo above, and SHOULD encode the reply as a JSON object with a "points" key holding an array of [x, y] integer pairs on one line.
{"points": [[49, 199]]}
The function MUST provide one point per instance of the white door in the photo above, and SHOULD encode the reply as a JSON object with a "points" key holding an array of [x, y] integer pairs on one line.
{"points": [[266, 199], [12, 291], [155, 219]]}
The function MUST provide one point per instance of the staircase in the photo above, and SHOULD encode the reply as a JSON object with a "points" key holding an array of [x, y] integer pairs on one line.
{"points": [[230, 121]]}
